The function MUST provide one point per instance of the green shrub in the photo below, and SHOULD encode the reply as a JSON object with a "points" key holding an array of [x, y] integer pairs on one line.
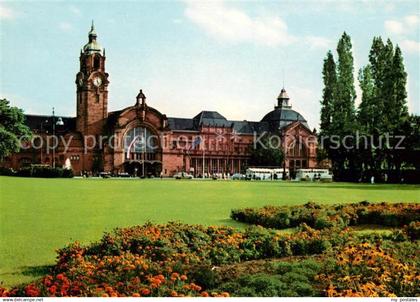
{"points": [[7, 171], [289, 279], [45, 172], [327, 216]]}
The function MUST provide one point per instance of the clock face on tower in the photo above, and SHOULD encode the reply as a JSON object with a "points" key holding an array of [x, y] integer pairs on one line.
{"points": [[97, 81]]}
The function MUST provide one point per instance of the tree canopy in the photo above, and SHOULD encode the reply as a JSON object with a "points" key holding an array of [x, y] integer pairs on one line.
{"points": [[12, 128]]}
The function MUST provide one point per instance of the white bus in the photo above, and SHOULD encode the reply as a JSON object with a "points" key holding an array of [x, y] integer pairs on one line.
{"points": [[314, 174], [265, 173]]}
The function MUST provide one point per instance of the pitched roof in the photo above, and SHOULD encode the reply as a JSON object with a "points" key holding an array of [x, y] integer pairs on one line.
{"points": [[185, 124], [211, 118]]}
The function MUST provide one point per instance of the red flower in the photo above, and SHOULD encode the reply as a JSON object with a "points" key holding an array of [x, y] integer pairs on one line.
{"points": [[52, 290]]}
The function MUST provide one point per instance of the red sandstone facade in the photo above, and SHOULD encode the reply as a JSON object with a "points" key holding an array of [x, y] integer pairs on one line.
{"points": [[141, 140]]}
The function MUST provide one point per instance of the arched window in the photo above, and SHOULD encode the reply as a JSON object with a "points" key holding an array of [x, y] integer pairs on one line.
{"points": [[140, 143], [96, 62], [297, 149]]}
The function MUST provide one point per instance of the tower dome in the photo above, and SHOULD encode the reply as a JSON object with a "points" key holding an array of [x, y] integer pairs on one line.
{"points": [[92, 46], [283, 114]]}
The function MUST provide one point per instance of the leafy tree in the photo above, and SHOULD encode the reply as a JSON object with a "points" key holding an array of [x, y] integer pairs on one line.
{"points": [[366, 112], [343, 108], [344, 111], [12, 128], [399, 112], [329, 75], [384, 105]]}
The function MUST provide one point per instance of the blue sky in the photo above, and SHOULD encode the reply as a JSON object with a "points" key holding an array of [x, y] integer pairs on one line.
{"points": [[189, 56]]}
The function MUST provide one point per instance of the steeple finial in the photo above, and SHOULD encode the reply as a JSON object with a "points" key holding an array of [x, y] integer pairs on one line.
{"points": [[92, 32], [92, 46], [141, 98]]}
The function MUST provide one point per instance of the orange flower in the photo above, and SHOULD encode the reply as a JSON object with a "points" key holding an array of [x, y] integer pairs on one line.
{"points": [[145, 291], [174, 294], [183, 277], [135, 295], [174, 276], [204, 294]]}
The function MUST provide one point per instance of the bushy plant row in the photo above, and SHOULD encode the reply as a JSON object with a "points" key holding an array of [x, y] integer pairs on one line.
{"points": [[371, 270], [360, 268], [282, 279], [326, 216], [39, 171], [192, 260], [158, 260]]}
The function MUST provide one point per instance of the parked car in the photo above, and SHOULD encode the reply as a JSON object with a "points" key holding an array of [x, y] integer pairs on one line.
{"points": [[105, 174], [183, 175], [238, 176]]}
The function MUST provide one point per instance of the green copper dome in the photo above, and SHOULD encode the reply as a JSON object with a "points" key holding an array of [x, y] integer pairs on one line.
{"points": [[93, 46]]}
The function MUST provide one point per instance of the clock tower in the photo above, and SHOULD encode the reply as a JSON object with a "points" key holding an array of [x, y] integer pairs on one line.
{"points": [[92, 88]]}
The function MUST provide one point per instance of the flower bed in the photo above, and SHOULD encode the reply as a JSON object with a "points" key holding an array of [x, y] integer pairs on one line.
{"points": [[325, 216], [369, 270], [157, 260], [178, 260]]}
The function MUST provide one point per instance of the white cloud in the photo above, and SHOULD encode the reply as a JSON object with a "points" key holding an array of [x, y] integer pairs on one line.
{"points": [[412, 20], [6, 13], [403, 26], [65, 26], [233, 25], [395, 27], [410, 46], [318, 42], [403, 30]]}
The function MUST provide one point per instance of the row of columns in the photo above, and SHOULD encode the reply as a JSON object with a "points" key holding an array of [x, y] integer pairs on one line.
{"points": [[216, 165]]}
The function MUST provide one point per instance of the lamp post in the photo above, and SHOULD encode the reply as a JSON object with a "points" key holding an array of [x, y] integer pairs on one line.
{"points": [[284, 135], [59, 123]]}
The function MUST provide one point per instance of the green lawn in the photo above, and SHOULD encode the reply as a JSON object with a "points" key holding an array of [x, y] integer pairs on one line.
{"points": [[38, 216]]}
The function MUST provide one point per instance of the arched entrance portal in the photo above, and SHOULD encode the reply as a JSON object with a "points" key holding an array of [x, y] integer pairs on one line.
{"points": [[142, 153]]}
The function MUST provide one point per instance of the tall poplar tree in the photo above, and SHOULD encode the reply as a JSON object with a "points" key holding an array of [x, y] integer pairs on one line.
{"points": [[344, 108], [366, 115], [346, 93], [329, 75], [399, 77], [366, 112]]}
